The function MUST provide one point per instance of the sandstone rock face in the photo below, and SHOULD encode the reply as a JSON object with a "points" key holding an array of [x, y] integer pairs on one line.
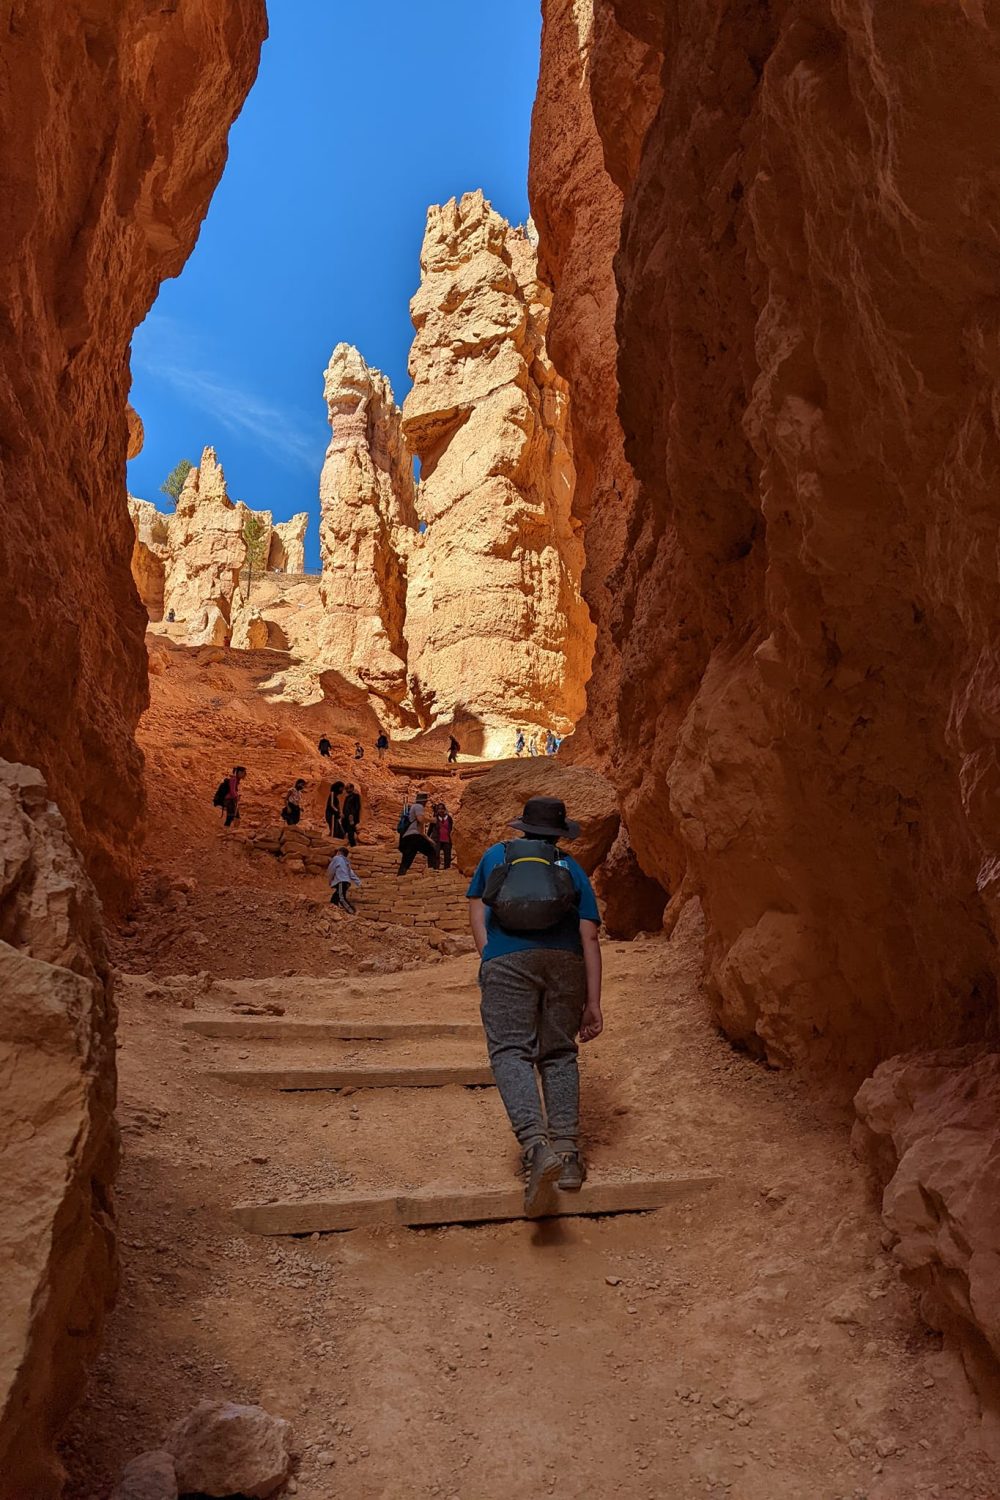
{"points": [[136, 432], [57, 1132], [631, 901], [287, 551], [930, 1123], [225, 1449], [490, 801], [115, 119], [193, 561], [499, 636], [367, 518], [577, 208], [805, 604], [150, 552], [205, 546]]}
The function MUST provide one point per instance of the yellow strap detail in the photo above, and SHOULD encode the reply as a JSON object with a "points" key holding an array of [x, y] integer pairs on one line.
{"points": [[531, 859]]}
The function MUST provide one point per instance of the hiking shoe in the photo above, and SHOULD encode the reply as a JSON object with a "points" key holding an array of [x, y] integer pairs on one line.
{"points": [[544, 1167], [574, 1172]]}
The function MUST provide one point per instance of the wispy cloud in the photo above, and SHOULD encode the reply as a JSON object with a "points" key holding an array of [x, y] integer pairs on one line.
{"points": [[165, 351]]}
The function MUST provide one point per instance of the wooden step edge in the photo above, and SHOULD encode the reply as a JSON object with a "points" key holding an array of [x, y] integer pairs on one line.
{"points": [[278, 1028], [428, 1207], [290, 1080]]}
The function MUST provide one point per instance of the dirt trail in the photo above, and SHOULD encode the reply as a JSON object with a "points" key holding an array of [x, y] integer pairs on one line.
{"points": [[751, 1342]]}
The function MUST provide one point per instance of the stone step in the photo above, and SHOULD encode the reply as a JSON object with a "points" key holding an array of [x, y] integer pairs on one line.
{"points": [[292, 1080], [279, 1029], [429, 1206]]}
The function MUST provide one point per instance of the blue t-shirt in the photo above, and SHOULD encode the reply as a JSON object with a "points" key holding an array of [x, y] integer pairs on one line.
{"points": [[566, 933]]}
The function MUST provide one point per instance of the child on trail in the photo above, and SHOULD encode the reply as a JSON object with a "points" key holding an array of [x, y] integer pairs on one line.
{"points": [[292, 810], [444, 824], [536, 925], [325, 747], [227, 796], [332, 813], [359, 750], [352, 814], [341, 876], [414, 839]]}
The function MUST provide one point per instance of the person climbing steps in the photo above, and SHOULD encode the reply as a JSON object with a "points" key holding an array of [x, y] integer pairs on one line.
{"points": [[341, 876], [536, 925]]}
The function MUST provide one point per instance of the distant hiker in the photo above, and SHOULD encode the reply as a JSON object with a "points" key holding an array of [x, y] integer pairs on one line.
{"points": [[453, 748], [227, 795], [324, 746], [557, 744], [171, 616], [359, 750], [352, 814], [550, 742], [536, 926], [414, 838], [332, 814], [443, 824], [519, 743], [341, 877], [533, 745], [382, 744], [292, 810]]}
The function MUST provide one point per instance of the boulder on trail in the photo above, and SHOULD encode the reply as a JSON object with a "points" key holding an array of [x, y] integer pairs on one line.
{"points": [[221, 1448], [930, 1125], [151, 1476], [491, 800]]}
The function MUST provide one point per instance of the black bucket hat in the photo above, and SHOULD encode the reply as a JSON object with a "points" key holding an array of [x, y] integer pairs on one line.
{"points": [[545, 817]]}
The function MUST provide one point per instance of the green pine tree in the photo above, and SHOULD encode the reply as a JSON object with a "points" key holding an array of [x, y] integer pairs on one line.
{"points": [[174, 482]]}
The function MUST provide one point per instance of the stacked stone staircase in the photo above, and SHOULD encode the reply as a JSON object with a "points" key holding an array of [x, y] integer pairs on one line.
{"points": [[432, 901]]}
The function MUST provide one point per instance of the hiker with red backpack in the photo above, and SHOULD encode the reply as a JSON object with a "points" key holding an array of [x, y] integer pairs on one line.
{"points": [[227, 795], [536, 924]]}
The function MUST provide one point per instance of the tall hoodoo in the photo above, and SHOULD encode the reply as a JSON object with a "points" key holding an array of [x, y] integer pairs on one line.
{"points": [[193, 562], [115, 118], [367, 521], [498, 632]]}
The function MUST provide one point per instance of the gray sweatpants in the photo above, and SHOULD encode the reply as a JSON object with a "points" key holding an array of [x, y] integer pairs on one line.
{"points": [[532, 1005]]}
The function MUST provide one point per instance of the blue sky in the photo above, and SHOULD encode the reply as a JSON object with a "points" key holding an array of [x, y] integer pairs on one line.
{"points": [[361, 117]]}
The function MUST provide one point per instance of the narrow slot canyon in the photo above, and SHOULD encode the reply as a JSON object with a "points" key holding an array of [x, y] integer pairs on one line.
{"points": [[670, 501]]}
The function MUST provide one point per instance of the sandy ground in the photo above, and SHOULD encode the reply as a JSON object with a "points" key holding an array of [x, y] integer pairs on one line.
{"points": [[751, 1341]]}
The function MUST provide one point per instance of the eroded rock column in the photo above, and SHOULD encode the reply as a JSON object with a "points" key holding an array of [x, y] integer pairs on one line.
{"points": [[499, 636], [368, 520]]}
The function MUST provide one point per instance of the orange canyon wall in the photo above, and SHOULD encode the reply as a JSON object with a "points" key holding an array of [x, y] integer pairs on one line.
{"points": [[115, 116], [802, 674]]}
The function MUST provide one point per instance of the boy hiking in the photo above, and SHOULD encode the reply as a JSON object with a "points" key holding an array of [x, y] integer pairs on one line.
{"points": [[341, 876], [536, 925]]}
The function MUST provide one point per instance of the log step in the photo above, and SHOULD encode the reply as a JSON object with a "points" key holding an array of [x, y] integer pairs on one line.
{"points": [[430, 1206], [276, 1029], [289, 1079]]}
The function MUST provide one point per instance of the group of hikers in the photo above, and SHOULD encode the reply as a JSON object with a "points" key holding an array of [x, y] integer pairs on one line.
{"points": [[536, 926], [522, 743], [381, 746], [427, 831]]}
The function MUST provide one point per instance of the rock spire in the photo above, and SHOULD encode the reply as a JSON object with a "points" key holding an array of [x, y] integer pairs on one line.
{"points": [[368, 519], [498, 633]]}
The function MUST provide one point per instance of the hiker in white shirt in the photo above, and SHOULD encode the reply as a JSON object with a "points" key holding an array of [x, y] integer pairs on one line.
{"points": [[341, 877]]}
